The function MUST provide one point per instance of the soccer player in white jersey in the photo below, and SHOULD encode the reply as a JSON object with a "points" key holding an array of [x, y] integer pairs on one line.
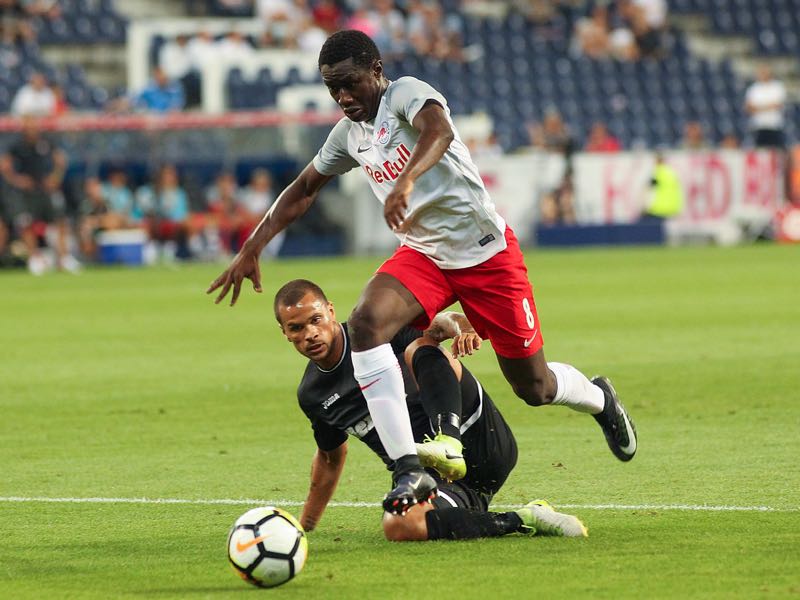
{"points": [[453, 247]]}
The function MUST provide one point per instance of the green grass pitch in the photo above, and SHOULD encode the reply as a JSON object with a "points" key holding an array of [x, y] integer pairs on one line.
{"points": [[132, 384]]}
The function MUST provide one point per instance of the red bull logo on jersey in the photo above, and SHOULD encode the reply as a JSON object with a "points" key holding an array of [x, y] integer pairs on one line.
{"points": [[390, 169], [383, 133]]}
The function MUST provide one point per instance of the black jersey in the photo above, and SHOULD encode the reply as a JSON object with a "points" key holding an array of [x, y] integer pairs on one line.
{"points": [[333, 402]]}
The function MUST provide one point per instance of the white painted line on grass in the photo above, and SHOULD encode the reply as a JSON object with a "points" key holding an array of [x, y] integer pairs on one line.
{"points": [[279, 502]]}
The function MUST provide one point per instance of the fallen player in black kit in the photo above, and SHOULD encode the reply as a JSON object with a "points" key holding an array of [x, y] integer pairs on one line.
{"points": [[442, 396]]}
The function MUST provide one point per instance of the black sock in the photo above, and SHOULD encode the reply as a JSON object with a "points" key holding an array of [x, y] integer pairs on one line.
{"points": [[404, 464], [439, 390], [465, 524]]}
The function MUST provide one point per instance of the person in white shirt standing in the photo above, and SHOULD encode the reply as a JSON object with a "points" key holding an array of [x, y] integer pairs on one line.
{"points": [[765, 100], [454, 247], [34, 98]]}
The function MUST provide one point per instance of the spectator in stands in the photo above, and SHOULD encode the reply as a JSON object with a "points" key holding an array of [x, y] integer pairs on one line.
{"points": [[282, 20], [693, 136], [360, 20], [557, 206], [33, 168], [432, 34], [96, 215], [601, 139], [390, 28], [654, 13], [228, 219], [34, 98], [163, 207], [646, 19], [622, 43], [162, 95], [592, 33], [327, 15], [234, 49], [118, 195], [60, 106], [201, 49], [257, 198], [765, 101], [729, 141], [552, 135], [310, 37], [40, 8], [175, 59]]}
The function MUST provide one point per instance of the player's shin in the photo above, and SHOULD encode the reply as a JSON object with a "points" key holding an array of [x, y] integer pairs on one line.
{"points": [[439, 390], [381, 381], [575, 390], [463, 524]]}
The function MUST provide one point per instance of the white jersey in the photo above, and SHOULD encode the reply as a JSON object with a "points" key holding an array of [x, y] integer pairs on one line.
{"points": [[450, 217], [762, 94]]}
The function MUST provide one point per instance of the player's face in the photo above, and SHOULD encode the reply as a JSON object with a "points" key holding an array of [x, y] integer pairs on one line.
{"points": [[311, 326], [357, 90]]}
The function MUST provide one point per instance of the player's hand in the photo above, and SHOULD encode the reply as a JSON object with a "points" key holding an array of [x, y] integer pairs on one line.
{"points": [[465, 343], [394, 209], [244, 265]]}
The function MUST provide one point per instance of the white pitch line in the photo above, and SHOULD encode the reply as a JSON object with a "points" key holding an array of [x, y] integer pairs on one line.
{"points": [[279, 502]]}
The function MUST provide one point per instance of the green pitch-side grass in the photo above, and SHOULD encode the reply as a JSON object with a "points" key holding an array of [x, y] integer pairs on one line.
{"points": [[131, 383]]}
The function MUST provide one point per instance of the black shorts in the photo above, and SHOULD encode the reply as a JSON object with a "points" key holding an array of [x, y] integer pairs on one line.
{"points": [[25, 208], [458, 494], [769, 138], [490, 451]]}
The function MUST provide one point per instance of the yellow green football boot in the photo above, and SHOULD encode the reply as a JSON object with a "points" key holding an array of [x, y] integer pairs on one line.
{"points": [[539, 518], [445, 454]]}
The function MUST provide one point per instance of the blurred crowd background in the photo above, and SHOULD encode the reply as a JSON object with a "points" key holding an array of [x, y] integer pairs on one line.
{"points": [[90, 147]]}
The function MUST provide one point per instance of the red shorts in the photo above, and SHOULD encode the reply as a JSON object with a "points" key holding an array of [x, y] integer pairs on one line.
{"points": [[496, 295]]}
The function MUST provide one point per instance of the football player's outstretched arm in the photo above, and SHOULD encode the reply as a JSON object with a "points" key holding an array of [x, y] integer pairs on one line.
{"points": [[326, 468], [292, 203], [435, 135]]}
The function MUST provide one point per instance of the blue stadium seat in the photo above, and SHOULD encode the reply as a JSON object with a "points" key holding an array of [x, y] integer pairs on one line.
{"points": [[111, 29], [98, 98], [76, 96]]}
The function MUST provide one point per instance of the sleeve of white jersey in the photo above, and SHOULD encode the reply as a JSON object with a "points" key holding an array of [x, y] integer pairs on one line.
{"points": [[333, 158], [409, 95]]}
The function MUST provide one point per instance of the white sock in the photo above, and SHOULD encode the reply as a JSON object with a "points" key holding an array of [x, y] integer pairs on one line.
{"points": [[575, 391], [378, 373]]}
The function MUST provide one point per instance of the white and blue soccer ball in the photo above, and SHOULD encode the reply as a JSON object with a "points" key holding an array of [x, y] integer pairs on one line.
{"points": [[267, 546]]}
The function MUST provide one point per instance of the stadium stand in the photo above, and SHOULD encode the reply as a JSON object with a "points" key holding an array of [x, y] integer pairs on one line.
{"points": [[511, 62]]}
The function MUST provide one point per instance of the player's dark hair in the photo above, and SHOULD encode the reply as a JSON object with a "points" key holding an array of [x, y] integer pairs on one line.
{"points": [[349, 43], [293, 292]]}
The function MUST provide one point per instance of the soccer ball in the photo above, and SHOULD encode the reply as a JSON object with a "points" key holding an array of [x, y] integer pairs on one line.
{"points": [[267, 546]]}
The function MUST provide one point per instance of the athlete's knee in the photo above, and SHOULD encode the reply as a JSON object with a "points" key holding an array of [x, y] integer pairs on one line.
{"points": [[414, 346], [532, 391], [364, 328]]}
